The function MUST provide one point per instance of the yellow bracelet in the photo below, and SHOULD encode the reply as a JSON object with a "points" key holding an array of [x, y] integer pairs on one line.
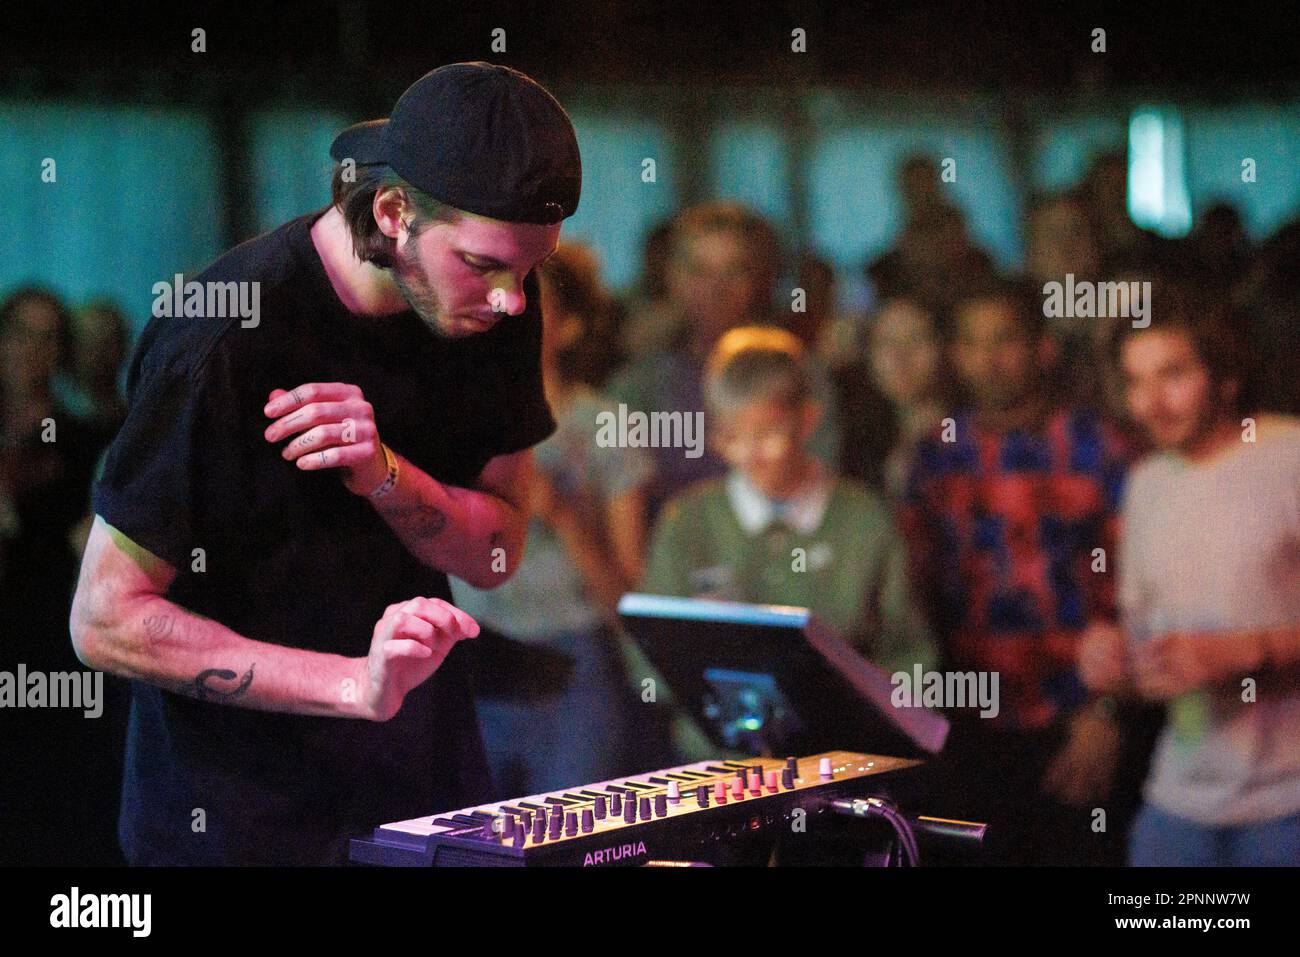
{"points": [[390, 482]]}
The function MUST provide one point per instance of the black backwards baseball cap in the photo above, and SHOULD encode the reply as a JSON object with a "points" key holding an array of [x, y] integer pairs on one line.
{"points": [[481, 137]]}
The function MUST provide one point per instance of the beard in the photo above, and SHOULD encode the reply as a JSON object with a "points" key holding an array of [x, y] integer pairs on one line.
{"points": [[408, 273], [1184, 435]]}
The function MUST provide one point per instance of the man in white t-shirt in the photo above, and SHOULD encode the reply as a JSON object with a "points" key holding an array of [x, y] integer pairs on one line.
{"points": [[1209, 583]]}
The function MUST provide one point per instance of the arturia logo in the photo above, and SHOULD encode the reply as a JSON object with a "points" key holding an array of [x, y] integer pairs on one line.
{"points": [[611, 854]]}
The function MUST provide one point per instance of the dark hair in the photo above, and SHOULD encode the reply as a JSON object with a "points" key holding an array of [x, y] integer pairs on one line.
{"points": [[39, 294], [109, 311], [1209, 326], [1024, 297], [655, 249], [728, 217], [572, 276], [355, 199]]}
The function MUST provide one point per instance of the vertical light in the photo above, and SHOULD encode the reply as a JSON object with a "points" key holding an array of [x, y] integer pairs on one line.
{"points": [[1157, 174]]}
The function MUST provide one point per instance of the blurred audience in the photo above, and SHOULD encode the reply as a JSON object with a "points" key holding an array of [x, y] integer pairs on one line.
{"points": [[722, 270], [1122, 245], [782, 528], [831, 337], [70, 764], [995, 443], [1006, 506], [933, 259], [1059, 242], [1209, 575], [46, 453], [90, 390], [652, 320], [1220, 250], [549, 679], [1267, 308], [894, 397]]}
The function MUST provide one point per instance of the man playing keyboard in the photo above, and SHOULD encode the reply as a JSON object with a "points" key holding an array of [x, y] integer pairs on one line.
{"points": [[278, 514]]}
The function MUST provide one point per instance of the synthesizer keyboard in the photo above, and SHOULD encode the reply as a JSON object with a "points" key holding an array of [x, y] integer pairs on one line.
{"points": [[675, 814]]}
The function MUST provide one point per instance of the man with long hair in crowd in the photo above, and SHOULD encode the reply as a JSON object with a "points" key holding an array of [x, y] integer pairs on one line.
{"points": [[1209, 577]]}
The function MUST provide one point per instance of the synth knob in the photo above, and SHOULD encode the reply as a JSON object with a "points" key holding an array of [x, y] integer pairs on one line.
{"points": [[793, 764], [539, 828], [557, 823], [570, 824], [702, 796], [492, 829], [661, 805], [674, 791], [738, 788], [771, 781], [720, 791], [527, 818], [629, 810], [616, 803], [824, 768], [600, 807], [588, 821], [757, 769], [520, 834], [755, 783], [787, 779], [643, 812]]}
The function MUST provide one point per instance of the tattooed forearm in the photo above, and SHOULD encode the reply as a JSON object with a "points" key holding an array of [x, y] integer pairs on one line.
{"points": [[158, 627], [425, 521], [202, 688]]}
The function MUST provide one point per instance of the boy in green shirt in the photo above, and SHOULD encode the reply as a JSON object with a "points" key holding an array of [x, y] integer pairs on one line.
{"points": [[780, 528]]}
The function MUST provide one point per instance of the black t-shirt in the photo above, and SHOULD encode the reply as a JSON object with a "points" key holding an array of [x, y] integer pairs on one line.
{"points": [[295, 559]]}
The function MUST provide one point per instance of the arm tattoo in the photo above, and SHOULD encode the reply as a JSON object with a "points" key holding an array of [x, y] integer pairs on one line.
{"points": [[200, 689], [157, 627], [425, 521]]}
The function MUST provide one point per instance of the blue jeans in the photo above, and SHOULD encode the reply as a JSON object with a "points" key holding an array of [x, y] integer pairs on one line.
{"points": [[556, 716], [1160, 839]]}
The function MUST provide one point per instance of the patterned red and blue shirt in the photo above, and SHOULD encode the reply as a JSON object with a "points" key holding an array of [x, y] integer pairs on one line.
{"points": [[1002, 530]]}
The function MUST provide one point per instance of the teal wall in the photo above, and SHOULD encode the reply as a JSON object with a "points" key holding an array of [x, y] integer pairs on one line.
{"points": [[140, 193]]}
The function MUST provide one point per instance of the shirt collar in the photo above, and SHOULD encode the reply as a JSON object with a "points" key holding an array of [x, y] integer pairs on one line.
{"points": [[756, 512]]}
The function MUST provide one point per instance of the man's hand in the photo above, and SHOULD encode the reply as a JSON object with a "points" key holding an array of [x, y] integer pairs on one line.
{"points": [[1103, 658], [1084, 769], [1169, 665], [410, 642], [335, 429]]}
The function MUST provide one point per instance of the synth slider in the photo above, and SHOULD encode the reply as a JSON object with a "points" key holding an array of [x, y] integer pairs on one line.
{"points": [[674, 814]]}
